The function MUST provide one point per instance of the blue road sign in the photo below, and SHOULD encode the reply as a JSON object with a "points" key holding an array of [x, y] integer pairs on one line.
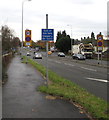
{"points": [[28, 39], [48, 34], [100, 43]]}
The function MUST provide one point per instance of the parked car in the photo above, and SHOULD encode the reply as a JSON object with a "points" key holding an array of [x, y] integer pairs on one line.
{"points": [[28, 54], [79, 56], [61, 54], [34, 52], [37, 56]]}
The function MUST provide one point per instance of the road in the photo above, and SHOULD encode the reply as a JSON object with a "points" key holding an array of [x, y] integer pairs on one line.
{"points": [[90, 77]]}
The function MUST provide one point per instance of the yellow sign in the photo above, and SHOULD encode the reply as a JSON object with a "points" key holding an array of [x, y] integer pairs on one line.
{"points": [[28, 41], [100, 42], [99, 37]]}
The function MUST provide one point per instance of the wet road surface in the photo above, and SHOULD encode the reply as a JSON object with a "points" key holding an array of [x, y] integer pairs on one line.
{"points": [[22, 100]]}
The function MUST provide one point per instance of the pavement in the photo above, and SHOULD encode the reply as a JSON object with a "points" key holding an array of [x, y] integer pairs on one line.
{"points": [[21, 99]]}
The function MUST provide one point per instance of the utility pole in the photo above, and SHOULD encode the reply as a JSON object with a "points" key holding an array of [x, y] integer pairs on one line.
{"points": [[22, 24], [71, 37], [47, 51]]}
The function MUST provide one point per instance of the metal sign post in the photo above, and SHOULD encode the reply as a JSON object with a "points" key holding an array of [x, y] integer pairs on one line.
{"points": [[47, 51], [47, 35], [101, 57], [98, 57], [100, 46], [47, 62]]}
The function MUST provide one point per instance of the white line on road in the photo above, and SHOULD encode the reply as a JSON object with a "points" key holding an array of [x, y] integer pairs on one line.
{"points": [[100, 80], [68, 64], [57, 62], [89, 69]]}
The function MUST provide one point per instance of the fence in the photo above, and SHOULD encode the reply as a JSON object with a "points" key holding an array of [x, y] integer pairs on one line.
{"points": [[6, 58]]}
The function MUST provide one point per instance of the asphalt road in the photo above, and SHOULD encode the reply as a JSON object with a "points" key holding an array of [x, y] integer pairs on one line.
{"points": [[90, 77]]}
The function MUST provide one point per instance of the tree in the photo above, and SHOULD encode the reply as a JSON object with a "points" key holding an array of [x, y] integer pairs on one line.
{"points": [[88, 40], [63, 43], [92, 36], [6, 38], [64, 34], [15, 42], [34, 44], [100, 33], [59, 35], [9, 41], [76, 42]]}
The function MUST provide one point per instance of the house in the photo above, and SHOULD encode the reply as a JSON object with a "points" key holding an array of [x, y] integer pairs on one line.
{"points": [[42, 44]]}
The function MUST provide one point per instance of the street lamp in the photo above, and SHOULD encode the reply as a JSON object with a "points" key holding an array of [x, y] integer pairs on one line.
{"points": [[22, 22], [71, 37]]}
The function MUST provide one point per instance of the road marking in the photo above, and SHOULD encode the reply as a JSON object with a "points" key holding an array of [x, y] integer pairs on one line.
{"points": [[68, 64], [57, 62], [89, 69], [100, 80]]}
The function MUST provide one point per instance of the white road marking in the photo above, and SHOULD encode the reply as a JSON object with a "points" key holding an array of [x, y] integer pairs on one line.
{"points": [[100, 80], [68, 64], [89, 69], [57, 62]]}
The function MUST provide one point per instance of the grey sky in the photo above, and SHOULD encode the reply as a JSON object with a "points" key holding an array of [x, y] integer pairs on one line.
{"points": [[84, 16]]}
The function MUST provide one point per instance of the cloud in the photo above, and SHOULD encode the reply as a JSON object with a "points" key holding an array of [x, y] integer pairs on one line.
{"points": [[84, 15], [108, 18], [85, 2]]}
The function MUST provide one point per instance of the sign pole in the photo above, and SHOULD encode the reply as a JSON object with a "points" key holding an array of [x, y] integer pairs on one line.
{"points": [[100, 46], [101, 57], [98, 57], [47, 35], [47, 51]]}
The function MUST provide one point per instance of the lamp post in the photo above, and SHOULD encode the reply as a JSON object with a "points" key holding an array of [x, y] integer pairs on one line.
{"points": [[22, 23], [71, 37]]}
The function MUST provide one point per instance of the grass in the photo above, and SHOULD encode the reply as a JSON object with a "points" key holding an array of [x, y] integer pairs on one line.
{"points": [[62, 87]]}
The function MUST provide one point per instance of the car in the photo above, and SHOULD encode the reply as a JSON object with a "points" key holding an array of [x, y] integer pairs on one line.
{"points": [[49, 52], [61, 54], [28, 54], [35, 52], [37, 56], [79, 56]]}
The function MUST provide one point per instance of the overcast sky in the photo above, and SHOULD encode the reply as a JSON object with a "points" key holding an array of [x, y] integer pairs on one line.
{"points": [[79, 16]]}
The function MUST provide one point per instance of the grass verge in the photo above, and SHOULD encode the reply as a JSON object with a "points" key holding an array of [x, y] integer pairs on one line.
{"points": [[97, 107]]}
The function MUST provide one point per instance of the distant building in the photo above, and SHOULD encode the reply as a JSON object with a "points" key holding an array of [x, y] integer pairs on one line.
{"points": [[42, 44]]}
